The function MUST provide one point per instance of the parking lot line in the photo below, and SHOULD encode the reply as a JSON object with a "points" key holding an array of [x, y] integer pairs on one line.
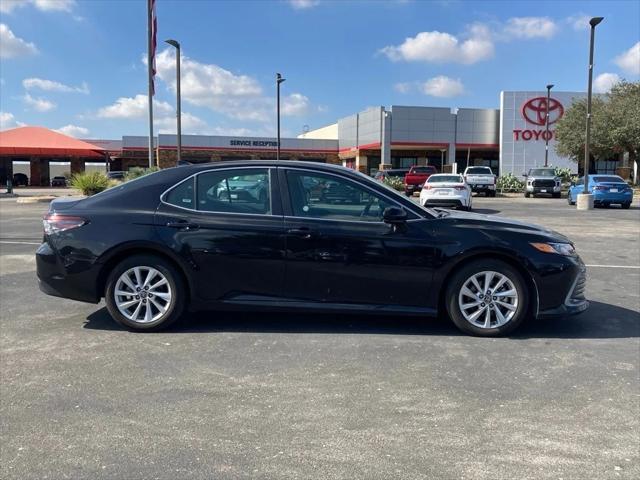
{"points": [[613, 266], [20, 243]]}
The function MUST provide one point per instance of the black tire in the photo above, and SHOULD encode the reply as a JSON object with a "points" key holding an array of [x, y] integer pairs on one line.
{"points": [[176, 305], [569, 201], [408, 194], [492, 193], [626, 205], [464, 273], [557, 194], [527, 194]]}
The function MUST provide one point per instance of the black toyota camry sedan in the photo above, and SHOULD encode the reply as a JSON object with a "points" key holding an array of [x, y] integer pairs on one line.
{"points": [[268, 235]]}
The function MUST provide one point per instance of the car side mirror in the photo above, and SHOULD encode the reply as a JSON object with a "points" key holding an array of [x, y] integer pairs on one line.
{"points": [[394, 216], [525, 175]]}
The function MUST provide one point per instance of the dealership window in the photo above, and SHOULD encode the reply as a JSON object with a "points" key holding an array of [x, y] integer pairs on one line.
{"points": [[234, 191], [404, 162], [328, 197]]}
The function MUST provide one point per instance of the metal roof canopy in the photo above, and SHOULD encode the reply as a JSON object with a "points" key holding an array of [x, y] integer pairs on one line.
{"points": [[40, 141]]}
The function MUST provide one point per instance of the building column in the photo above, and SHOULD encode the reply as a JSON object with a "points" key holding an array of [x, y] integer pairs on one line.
{"points": [[77, 166], [34, 172], [385, 142], [362, 163]]}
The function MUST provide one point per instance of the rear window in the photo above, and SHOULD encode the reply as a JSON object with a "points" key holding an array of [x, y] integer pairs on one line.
{"points": [[542, 172], [610, 179], [445, 179], [423, 170], [479, 171], [397, 173]]}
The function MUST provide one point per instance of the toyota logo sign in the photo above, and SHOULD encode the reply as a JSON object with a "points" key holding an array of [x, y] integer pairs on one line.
{"points": [[535, 110]]}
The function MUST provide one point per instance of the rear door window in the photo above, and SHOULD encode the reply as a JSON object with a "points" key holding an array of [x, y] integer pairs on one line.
{"points": [[244, 190]]}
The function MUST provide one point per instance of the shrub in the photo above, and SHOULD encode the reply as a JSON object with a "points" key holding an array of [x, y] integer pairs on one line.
{"points": [[396, 183], [509, 183], [90, 183], [564, 173], [137, 172]]}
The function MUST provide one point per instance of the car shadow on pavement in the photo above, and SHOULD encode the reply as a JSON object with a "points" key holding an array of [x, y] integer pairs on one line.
{"points": [[600, 321], [485, 211]]}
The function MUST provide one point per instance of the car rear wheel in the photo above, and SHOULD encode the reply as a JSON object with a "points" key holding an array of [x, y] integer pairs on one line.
{"points": [[487, 298], [556, 195], [569, 200], [626, 205], [527, 194], [145, 293]]}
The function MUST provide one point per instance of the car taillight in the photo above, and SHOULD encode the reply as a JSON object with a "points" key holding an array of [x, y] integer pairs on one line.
{"points": [[426, 187], [54, 223], [598, 187], [460, 187]]}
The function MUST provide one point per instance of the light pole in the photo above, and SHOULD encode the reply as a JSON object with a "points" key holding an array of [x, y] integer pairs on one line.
{"points": [[546, 135], [442, 150], [586, 202], [176, 44], [279, 80]]}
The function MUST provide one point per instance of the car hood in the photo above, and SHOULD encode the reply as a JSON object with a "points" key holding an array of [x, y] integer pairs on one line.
{"points": [[496, 223]]}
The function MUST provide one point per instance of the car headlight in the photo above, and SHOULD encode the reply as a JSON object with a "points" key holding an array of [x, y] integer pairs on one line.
{"points": [[559, 248]]}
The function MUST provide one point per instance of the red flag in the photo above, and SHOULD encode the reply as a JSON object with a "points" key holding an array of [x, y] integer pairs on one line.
{"points": [[153, 27]]}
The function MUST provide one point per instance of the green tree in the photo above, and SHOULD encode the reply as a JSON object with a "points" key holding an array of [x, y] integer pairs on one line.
{"points": [[615, 125], [623, 113], [570, 131]]}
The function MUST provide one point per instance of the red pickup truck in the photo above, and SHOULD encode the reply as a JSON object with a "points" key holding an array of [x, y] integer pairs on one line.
{"points": [[416, 177]]}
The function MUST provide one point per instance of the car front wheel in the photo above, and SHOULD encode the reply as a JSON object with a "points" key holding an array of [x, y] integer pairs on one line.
{"points": [[487, 298], [145, 293]]}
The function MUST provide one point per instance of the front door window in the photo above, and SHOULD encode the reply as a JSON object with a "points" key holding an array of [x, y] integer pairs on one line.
{"points": [[329, 197]]}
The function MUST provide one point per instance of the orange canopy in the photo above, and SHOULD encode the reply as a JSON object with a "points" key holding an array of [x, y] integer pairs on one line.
{"points": [[42, 141]]}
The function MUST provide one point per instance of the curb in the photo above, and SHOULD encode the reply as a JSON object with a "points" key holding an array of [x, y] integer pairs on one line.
{"points": [[42, 199]]}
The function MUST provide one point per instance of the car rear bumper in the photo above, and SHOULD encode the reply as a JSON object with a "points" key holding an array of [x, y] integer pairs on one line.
{"points": [[445, 202], [478, 187], [412, 188], [76, 281], [599, 198]]}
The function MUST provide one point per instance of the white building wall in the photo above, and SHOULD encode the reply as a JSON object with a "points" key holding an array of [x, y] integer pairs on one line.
{"points": [[522, 143], [330, 132]]}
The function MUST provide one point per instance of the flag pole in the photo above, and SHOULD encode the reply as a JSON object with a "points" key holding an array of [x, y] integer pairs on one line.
{"points": [[150, 77]]}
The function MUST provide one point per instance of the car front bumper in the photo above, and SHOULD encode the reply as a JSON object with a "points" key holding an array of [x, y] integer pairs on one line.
{"points": [[532, 189]]}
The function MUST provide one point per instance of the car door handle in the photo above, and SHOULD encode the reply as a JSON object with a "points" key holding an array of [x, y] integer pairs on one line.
{"points": [[183, 225], [302, 232]]}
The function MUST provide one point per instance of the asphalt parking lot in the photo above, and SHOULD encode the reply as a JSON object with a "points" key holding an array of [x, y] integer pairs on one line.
{"points": [[324, 396]]}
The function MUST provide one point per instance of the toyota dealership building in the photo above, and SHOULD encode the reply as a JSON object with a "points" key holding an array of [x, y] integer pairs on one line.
{"points": [[509, 139]]}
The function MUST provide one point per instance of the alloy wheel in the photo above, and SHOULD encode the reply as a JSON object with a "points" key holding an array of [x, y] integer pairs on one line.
{"points": [[488, 299], [142, 294]]}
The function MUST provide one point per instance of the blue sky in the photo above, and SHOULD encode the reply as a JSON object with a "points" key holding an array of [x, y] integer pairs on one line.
{"points": [[78, 65]]}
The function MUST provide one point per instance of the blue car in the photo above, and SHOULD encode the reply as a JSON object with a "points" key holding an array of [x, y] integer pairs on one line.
{"points": [[606, 190]]}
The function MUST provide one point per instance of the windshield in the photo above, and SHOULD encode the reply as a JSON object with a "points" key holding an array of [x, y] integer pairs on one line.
{"points": [[479, 170], [542, 172], [445, 179], [610, 179], [423, 170]]}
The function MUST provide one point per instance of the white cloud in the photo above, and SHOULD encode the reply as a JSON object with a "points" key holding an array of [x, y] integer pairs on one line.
{"points": [[295, 104], [38, 104], [441, 47], [303, 4], [604, 82], [403, 87], [164, 115], [531, 27], [12, 46], [8, 6], [579, 21], [52, 86], [7, 120], [73, 131], [136, 107], [442, 86], [629, 61], [191, 124], [237, 96]]}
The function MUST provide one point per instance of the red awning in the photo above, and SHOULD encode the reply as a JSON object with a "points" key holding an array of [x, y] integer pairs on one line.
{"points": [[39, 141]]}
